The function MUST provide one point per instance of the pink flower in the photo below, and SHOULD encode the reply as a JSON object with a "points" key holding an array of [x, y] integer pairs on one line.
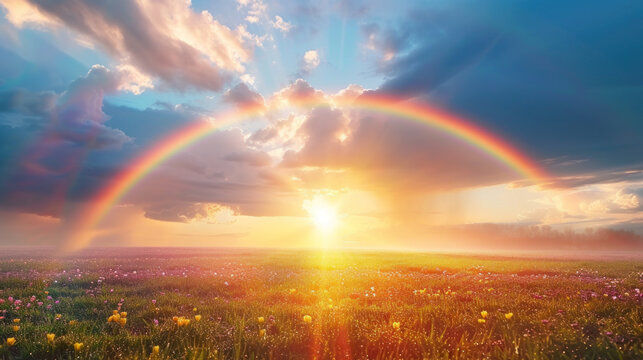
{"points": [[154, 301]]}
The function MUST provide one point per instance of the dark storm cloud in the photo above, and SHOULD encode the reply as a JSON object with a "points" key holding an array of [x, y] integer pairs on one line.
{"points": [[56, 134], [558, 79]]}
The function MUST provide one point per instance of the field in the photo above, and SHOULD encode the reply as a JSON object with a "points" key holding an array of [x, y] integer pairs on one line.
{"points": [[268, 304]]}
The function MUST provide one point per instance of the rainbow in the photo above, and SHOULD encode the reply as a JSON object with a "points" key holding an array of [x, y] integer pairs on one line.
{"points": [[137, 170]]}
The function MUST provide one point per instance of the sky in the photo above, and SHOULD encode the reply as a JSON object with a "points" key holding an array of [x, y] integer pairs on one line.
{"points": [[90, 90]]}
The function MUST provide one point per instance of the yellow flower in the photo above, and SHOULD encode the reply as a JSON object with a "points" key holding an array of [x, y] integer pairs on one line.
{"points": [[124, 314], [194, 309], [114, 312], [123, 321], [197, 317], [481, 321], [292, 291], [11, 341], [484, 314], [308, 319], [73, 322], [46, 292], [182, 321], [16, 321], [156, 349], [78, 346], [50, 337], [58, 316], [396, 325], [262, 332], [508, 316], [175, 318], [260, 319], [16, 328]]}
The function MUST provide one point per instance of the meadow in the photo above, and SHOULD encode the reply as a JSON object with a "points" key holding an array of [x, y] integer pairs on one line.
{"points": [[269, 304]]}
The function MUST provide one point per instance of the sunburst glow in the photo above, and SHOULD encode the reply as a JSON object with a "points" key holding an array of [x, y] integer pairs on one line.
{"points": [[322, 214]]}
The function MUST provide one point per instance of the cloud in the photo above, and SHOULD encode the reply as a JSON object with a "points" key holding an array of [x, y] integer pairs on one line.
{"points": [[280, 24], [228, 173], [188, 212], [256, 10], [467, 58], [241, 95], [298, 90], [165, 39], [310, 61], [63, 129], [250, 157]]}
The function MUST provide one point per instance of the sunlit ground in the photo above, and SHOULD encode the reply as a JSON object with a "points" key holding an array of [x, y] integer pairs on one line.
{"points": [[263, 304]]}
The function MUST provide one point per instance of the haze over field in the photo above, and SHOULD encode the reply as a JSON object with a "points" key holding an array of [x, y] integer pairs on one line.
{"points": [[440, 125]]}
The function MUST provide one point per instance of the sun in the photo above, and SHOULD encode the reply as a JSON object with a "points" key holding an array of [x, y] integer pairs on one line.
{"points": [[322, 214]]}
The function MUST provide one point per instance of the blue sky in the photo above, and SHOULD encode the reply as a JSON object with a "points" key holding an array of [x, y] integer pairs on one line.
{"points": [[86, 87]]}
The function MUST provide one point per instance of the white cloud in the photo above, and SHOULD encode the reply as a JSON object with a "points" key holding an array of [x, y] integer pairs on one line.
{"points": [[311, 60], [281, 24], [162, 38], [248, 79]]}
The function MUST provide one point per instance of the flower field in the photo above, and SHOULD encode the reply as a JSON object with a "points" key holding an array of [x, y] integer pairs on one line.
{"points": [[268, 304]]}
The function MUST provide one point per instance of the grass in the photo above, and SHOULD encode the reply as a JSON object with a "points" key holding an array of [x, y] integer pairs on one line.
{"points": [[562, 309]]}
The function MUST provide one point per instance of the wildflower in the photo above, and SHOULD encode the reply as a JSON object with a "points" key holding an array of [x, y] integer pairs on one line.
{"points": [[175, 318], [124, 314], [73, 322], [308, 319], [197, 317], [123, 321], [78, 346], [484, 314], [50, 338], [16, 321], [182, 321], [58, 316], [156, 349], [11, 341], [260, 320], [396, 325], [262, 332], [16, 328], [46, 292], [481, 321], [194, 309], [292, 291], [508, 316]]}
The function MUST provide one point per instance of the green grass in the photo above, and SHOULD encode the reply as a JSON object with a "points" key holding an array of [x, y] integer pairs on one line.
{"points": [[564, 309]]}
